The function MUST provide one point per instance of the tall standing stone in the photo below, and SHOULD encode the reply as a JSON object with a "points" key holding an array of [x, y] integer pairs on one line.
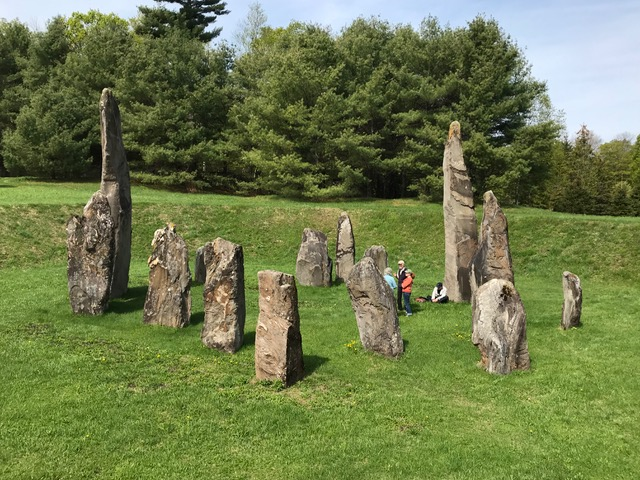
{"points": [[379, 256], [90, 250], [493, 256], [460, 226], [373, 302], [278, 353], [572, 306], [168, 299], [313, 265], [116, 186], [224, 303], [345, 247], [500, 327]]}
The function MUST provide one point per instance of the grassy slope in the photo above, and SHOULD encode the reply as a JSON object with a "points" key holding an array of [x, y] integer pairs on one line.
{"points": [[108, 397]]}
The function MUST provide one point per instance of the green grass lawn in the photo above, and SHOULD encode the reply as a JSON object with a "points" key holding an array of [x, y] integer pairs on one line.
{"points": [[109, 397]]}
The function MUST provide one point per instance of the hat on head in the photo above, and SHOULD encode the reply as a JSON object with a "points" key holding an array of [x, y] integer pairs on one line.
{"points": [[439, 284], [400, 262]]}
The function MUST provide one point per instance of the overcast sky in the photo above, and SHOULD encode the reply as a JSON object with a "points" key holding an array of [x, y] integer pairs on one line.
{"points": [[587, 51]]}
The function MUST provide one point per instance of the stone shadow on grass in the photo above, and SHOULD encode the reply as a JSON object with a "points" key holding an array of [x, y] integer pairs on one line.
{"points": [[312, 363], [249, 339], [196, 318], [132, 301]]}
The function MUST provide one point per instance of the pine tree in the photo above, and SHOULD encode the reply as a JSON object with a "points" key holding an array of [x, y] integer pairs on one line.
{"points": [[194, 16]]}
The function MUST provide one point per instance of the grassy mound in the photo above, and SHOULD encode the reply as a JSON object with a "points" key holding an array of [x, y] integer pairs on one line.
{"points": [[109, 397]]}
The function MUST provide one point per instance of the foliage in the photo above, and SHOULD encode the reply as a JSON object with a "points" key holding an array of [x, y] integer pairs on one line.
{"points": [[50, 139], [300, 111], [376, 101], [174, 105], [250, 27], [15, 39], [78, 24], [56, 132], [594, 178], [192, 18]]}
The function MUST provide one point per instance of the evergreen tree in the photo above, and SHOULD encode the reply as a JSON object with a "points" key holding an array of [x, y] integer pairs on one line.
{"points": [[15, 39], [57, 132], [174, 104], [577, 177], [193, 16]]}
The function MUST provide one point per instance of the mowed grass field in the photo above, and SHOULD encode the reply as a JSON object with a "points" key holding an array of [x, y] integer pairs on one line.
{"points": [[108, 397]]}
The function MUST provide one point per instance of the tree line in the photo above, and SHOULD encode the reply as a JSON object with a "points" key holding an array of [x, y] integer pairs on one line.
{"points": [[299, 111]]}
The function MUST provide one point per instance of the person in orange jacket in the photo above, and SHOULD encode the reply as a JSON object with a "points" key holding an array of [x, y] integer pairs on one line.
{"points": [[406, 291]]}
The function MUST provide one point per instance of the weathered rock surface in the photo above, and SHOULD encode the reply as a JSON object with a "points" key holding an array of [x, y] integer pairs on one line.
{"points": [[168, 299], [224, 302], [500, 327], [460, 226], [278, 340], [313, 265], [116, 186], [493, 256], [572, 306], [373, 302], [202, 259], [90, 252], [345, 247], [379, 256]]}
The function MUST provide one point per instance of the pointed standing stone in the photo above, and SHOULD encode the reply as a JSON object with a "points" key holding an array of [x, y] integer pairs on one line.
{"points": [[313, 265], [373, 302], [379, 256], [278, 353], [572, 306], [460, 226], [224, 304], [116, 186], [493, 256], [499, 327], [345, 247], [90, 251], [168, 299]]}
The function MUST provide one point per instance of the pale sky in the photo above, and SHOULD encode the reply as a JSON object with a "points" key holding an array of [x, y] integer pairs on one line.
{"points": [[587, 51]]}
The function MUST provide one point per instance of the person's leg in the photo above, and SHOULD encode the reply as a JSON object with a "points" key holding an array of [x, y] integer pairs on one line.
{"points": [[407, 303], [399, 298], [444, 299]]}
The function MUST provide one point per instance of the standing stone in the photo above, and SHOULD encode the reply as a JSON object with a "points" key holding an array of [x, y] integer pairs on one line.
{"points": [[202, 253], [345, 247], [90, 250], [373, 302], [572, 307], [116, 186], [500, 327], [278, 340], [460, 226], [493, 257], [379, 256], [313, 265], [224, 304], [168, 299]]}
